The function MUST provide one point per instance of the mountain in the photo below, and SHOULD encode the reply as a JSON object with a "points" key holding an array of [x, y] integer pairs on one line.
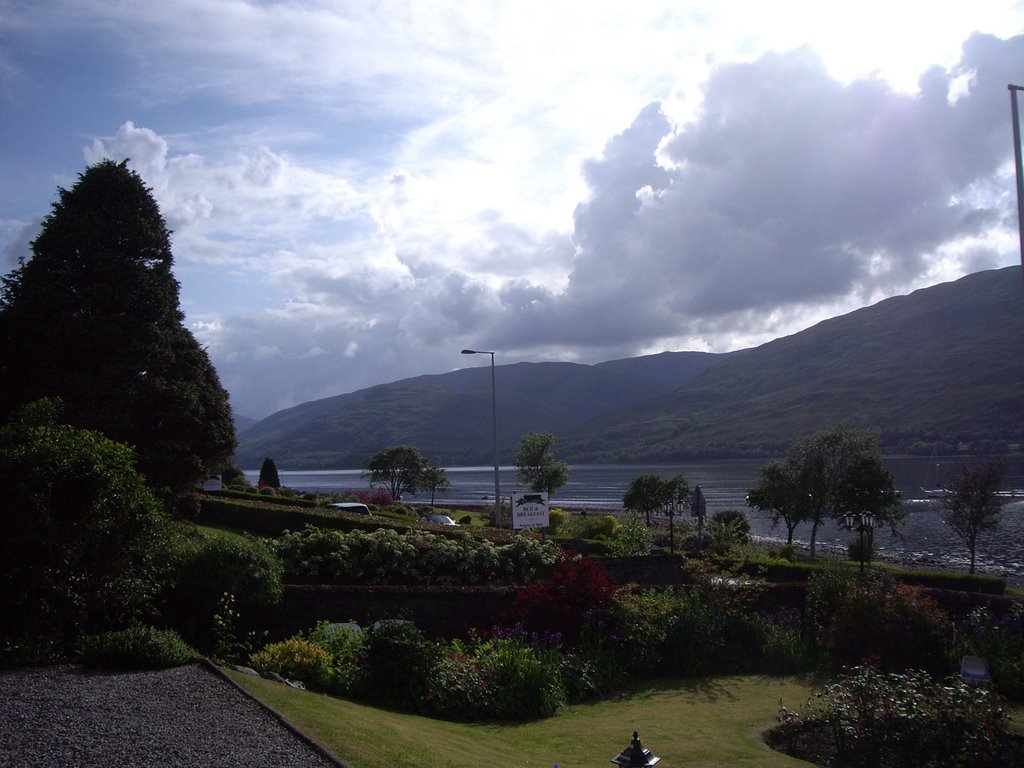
{"points": [[242, 423], [449, 416], [944, 362]]}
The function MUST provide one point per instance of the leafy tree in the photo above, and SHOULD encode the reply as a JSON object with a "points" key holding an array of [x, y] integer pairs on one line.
{"points": [[93, 318], [778, 492], [729, 528], [83, 542], [399, 468], [973, 505], [268, 474], [650, 493], [536, 464], [433, 479], [231, 474], [837, 471]]}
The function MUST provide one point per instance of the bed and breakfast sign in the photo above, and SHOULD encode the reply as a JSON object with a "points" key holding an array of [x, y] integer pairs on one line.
{"points": [[529, 510]]}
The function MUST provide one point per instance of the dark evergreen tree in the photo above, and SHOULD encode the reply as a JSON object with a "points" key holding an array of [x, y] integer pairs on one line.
{"points": [[93, 318], [268, 474]]}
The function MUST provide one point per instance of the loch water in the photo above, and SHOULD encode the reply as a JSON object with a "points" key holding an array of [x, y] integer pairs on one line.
{"points": [[924, 538]]}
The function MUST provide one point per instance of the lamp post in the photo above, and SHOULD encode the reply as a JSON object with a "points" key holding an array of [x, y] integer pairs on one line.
{"points": [[1018, 165], [635, 755], [494, 432], [863, 523]]}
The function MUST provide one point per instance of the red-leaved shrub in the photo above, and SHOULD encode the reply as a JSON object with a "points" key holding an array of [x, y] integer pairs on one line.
{"points": [[559, 606]]}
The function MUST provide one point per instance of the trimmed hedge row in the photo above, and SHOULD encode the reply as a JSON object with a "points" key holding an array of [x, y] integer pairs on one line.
{"points": [[778, 570], [274, 519], [287, 501]]}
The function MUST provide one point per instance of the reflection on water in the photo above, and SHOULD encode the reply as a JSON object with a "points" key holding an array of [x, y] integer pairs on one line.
{"points": [[925, 538]]}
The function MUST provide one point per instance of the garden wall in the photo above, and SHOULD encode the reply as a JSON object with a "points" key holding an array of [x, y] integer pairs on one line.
{"points": [[453, 611]]}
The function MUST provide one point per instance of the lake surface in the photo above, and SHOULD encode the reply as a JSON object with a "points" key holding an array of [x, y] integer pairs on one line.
{"points": [[725, 483]]}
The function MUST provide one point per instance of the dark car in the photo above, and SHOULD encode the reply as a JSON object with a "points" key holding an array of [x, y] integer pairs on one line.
{"points": [[437, 520]]}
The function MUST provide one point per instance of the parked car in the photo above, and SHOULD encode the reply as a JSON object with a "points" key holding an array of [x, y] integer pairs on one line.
{"points": [[351, 506], [437, 520]]}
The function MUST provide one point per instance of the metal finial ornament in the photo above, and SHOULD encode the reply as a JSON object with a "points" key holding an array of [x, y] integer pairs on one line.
{"points": [[635, 755]]}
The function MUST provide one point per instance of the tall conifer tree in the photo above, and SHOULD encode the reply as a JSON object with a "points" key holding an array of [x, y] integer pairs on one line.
{"points": [[93, 317]]}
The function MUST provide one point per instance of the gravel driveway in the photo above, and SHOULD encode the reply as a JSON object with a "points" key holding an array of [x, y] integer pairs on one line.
{"points": [[72, 717]]}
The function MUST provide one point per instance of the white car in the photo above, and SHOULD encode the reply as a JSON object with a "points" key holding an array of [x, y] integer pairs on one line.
{"points": [[437, 520], [351, 506]]}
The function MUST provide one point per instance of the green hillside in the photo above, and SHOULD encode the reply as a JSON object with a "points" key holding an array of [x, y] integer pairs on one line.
{"points": [[945, 363], [449, 416]]}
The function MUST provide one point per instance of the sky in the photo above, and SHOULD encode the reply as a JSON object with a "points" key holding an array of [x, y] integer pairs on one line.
{"points": [[358, 190]]}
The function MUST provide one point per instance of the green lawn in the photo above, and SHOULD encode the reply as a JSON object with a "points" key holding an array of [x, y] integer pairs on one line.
{"points": [[696, 722]]}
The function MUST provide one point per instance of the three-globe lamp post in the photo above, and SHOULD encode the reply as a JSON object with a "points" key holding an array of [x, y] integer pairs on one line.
{"points": [[494, 430]]}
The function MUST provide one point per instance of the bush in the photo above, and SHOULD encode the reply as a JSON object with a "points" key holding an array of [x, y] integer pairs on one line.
{"points": [[138, 647], [891, 624], [1000, 640], [525, 682], [460, 689], [784, 648], [826, 589], [296, 659], [562, 604], [210, 566], [602, 527], [83, 541], [557, 519], [386, 556], [632, 538], [728, 529], [666, 632], [873, 718], [346, 643], [400, 665]]}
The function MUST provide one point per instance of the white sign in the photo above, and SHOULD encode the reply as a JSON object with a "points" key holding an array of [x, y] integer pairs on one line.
{"points": [[529, 510]]}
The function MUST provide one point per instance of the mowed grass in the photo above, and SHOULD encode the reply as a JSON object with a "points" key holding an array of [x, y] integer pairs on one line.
{"points": [[707, 722]]}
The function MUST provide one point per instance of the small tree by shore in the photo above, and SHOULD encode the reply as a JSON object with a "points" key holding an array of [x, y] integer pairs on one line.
{"points": [[973, 505]]}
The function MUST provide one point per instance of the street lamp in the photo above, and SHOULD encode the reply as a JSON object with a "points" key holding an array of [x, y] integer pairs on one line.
{"points": [[863, 523], [635, 755], [1018, 164], [494, 431]]}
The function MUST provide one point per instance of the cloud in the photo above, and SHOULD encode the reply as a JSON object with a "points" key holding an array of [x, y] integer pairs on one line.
{"points": [[774, 195], [790, 195]]}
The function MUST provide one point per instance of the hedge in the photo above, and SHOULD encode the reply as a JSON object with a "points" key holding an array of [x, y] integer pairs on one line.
{"points": [[273, 519], [286, 501], [777, 570]]}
